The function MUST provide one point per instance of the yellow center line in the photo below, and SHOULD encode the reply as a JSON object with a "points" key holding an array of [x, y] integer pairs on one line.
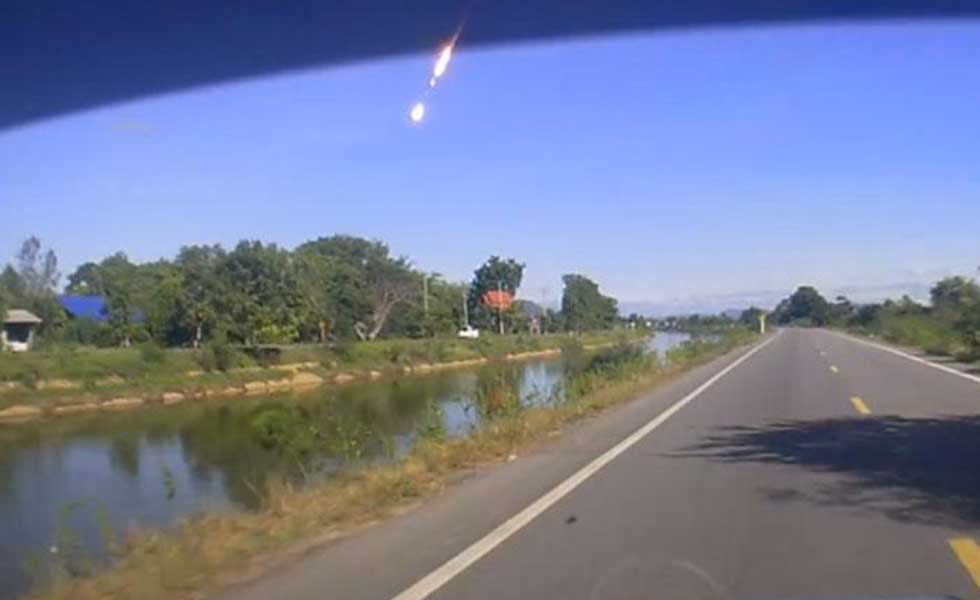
{"points": [[834, 369], [968, 552], [860, 406]]}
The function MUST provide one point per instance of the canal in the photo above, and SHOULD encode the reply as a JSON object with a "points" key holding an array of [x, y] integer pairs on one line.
{"points": [[65, 483]]}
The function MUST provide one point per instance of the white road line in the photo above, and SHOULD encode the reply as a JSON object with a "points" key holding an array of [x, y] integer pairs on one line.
{"points": [[456, 565], [911, 357]]}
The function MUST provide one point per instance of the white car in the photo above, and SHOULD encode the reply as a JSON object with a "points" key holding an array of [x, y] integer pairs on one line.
{"points": [[470, 333]]}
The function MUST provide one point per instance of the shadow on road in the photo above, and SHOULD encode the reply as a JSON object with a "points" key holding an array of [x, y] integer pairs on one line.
{"points": [[921, 470]]}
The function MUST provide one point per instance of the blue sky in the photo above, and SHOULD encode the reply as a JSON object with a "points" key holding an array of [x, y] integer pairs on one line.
{"points": [[710, 165]]}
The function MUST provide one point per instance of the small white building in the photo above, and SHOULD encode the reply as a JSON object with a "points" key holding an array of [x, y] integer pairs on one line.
{"points": [[18, 330]]}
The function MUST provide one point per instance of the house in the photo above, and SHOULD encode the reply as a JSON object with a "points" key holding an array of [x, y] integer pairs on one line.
{"points": [[18, 330], [85, 307], [95, 308]]}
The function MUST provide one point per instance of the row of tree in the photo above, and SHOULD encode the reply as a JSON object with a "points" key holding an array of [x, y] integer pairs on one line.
{"points": [[338, 287], [949, 323]]}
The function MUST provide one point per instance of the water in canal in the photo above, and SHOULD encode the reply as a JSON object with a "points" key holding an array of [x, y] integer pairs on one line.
{"points": [[63, 482]]}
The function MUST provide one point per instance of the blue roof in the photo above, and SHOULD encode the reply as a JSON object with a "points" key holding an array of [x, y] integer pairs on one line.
{"points": [[85, 307], [92, 307]]}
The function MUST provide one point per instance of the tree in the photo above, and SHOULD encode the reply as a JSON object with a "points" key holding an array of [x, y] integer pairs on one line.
{"points": [[201, 288], [38, 270], [388, 284], [259, 302], [805, 307], [583, 307], [164, 321], [12, 285], [376, 282], [954, 293], [32, 285], [867, 315], [85, 281], [127, 292], [443, 316], [841, 311], [313, 279], [494, 274]]}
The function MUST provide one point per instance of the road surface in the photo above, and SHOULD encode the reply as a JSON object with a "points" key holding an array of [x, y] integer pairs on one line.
{"points": [[811, 466]]}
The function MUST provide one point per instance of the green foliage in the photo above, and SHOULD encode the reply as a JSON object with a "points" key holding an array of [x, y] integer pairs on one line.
{"points": [[750, 317], [586, 374], [85, 332], [286, 429], [432, 425], [29, 376], [573, 353], [497, 394], [217, 354], [583, 307], [329, 291], [375, 282], [83, 364], [950, 326], [927, 332], [954, 294], [804, 307], [152, 353], [494, 274], [31, 285]]}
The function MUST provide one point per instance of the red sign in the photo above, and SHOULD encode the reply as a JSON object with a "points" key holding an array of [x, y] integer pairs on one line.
{"points": [[498, 300]]}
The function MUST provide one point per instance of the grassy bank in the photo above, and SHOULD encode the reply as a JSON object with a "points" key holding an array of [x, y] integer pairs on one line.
{"points": [[208, 550], [67, 375], [926, 332]]}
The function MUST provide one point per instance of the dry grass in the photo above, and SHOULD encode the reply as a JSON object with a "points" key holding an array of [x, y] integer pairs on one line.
{"points": [[211, 550]]}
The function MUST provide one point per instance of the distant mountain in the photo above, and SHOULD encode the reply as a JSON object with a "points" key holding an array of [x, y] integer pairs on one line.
{"points": [[733, 303]]}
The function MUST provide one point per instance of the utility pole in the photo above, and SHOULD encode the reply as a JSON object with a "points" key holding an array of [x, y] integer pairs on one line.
{"points": [[466, 312], [500, 307]]}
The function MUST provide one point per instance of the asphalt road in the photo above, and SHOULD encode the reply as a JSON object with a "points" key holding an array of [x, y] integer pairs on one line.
{"points": [[815, 467]]}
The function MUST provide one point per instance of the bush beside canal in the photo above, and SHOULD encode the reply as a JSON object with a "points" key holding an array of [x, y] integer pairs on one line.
{"points": [[208, 550]]}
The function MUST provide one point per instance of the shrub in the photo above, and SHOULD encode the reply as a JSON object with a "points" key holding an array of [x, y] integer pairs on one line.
{"points": [[152, 354], [395, 353], [343, 349], [930, 334], [276, 334], [217, 354], [441, 351], [573, 354]]}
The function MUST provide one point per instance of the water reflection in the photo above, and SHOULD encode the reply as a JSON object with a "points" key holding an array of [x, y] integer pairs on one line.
{"points": [[149, 468]]}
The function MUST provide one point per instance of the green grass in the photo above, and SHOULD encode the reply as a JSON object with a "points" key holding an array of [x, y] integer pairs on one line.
{"points": [[207, 550], [81, 364], [101, 373], [926, 332], [382, 354]]}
